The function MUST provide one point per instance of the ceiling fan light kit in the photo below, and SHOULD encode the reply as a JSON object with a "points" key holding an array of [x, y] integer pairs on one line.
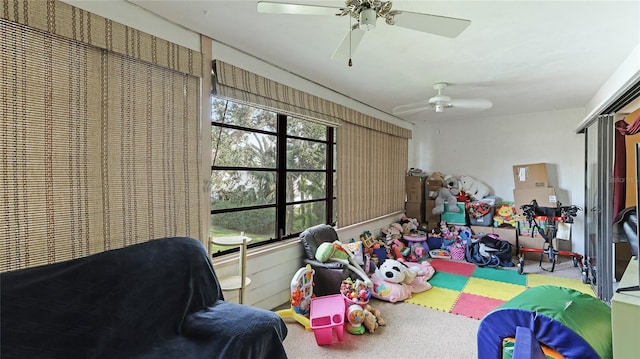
{"points": [[367, 19]]}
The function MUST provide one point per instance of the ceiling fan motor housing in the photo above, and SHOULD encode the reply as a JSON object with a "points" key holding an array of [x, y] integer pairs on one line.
{"points": [[367, 19]]}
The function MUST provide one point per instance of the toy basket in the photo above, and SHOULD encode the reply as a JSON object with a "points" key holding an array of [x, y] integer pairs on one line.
{"points": [[348, 301], [360, 291], [359, 301], [457, 251]]}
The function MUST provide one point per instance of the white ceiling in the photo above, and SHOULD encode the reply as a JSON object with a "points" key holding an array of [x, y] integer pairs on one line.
{"points": [[524, 56]]}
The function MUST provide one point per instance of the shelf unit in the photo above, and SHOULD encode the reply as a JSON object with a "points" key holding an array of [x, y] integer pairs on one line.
{"points": [[241, 281]]}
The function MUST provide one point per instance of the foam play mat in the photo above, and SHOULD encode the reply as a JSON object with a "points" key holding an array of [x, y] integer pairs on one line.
{"points": [[465, 289]]}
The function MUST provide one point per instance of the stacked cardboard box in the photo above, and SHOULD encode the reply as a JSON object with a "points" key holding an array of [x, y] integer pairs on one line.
{"points": [[531, 183], [432, 184], [414, 206]]}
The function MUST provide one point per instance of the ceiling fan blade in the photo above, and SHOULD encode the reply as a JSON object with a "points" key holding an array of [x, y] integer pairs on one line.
{"points": [[267, 7], [350, 42], [411, 108], [475, 103], [433, 24]]}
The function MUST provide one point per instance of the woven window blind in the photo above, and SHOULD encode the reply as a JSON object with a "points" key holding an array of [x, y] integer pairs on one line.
{"points": [[371, 170], [372, 154], [100, 148]]}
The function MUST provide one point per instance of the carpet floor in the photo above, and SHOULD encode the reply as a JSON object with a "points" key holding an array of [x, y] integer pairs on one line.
{"points": [[428, 330]]}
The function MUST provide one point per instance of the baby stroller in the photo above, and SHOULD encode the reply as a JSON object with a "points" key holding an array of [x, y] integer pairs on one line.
{"points": [[550, 217]]}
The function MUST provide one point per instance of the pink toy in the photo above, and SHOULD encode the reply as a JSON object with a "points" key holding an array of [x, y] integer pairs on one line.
{"points": [[327, 317], [396, 281]]}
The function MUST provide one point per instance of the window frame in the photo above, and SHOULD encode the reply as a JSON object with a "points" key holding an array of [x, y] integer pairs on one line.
{"points": [[281, 171]]}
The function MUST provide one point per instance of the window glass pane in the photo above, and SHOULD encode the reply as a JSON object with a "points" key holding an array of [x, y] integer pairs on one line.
{"points": [[258, 224], [242, 148], [306, 154], [229, 112], [303, 216], [335, 211], [232, 189], [307, 129], [302, 186]]}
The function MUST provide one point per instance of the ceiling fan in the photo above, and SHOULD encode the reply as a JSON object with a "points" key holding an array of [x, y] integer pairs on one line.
{"points": [[440, 102], [367, 12]]}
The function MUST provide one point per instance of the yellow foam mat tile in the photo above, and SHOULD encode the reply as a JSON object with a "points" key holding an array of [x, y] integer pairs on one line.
{"points": [[493, 289], [534, 280], [436, 298]]}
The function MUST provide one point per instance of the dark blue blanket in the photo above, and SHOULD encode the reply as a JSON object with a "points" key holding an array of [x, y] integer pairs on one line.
{"points": [[158, 299]]}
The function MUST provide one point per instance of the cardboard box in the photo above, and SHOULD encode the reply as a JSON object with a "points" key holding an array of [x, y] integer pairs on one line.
{"points": [[429, 204], [431, 192], [414, 210], [530, 176], [435, 180], [414, 187], [546, 197], [433, 222]]}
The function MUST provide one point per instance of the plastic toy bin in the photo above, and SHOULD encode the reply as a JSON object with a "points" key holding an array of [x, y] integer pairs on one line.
{"points": [[327, 317]]}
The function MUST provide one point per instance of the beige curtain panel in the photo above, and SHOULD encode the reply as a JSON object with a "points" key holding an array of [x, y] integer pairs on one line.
{"points": [[100, 135], [371, 171]]}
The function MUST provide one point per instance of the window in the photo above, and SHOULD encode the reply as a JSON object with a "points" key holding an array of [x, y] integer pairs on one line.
{"points": [[272, 176]]}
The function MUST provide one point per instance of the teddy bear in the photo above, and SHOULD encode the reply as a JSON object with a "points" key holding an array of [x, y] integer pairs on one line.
{"points": [[447, 193], [474, 188], [375, 312], [371, 321]]}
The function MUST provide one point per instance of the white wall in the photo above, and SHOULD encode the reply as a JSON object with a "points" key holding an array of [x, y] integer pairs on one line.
{"points": [[488, 148]]}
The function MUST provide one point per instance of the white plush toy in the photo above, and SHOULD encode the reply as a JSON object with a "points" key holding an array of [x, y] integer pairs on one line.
{"points": [[474, 188], [396, 281]]}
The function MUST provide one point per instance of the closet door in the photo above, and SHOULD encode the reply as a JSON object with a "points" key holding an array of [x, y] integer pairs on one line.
{"points": [[591, 201], [599, 200]]}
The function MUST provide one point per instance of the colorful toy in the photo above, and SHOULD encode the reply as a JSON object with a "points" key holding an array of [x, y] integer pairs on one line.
{"points": [[327, 318], [355, 292], [399, 250], [367, 239], [440, 253], [336, 251], [357, 249], [355, 319], [505, 214], [474, 188], [301, 294], [477, 209]]}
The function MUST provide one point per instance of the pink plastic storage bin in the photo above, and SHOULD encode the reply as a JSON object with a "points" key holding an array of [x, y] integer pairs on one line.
{"points": [[327, 317]]}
